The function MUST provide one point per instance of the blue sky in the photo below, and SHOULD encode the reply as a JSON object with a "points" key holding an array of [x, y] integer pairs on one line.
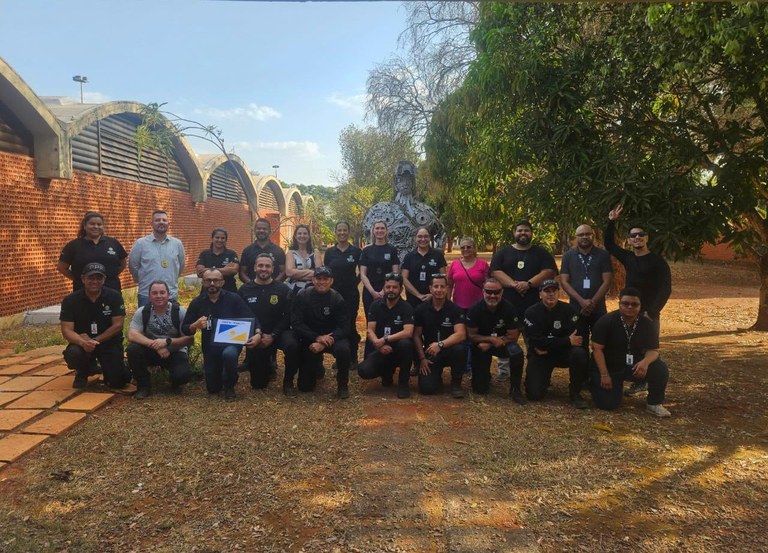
{"points": [[280, 79]]}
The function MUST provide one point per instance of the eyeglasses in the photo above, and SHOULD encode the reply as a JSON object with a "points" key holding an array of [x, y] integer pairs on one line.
{"points": [[629, 303], [638, 234], [583, 234], [492, 292], [212, 280]]}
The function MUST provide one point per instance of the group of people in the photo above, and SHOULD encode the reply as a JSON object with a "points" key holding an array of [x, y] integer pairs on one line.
{"points": [[305, 304]]}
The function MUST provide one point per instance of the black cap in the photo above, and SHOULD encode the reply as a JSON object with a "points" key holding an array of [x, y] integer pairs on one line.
{"points": [[549, 283], [323, 271], [94, 268]]}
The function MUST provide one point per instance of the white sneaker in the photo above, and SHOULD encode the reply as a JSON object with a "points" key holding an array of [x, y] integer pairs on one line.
{"points": [[658, 410]]}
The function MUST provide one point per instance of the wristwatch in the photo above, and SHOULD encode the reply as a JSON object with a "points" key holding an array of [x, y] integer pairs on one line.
{"points": [[386, 339], [440, 344], [168, 342]]}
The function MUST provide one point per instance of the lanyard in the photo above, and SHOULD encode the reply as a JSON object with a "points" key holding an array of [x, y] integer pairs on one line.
{"points": [[585, 264], [628, 333]]}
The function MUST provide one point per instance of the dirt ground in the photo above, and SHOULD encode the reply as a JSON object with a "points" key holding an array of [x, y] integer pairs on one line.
{"points": [[428, 474]]}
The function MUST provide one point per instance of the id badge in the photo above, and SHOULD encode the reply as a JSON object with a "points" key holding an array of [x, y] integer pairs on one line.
{"points": [[521, 264], [630, 360], [423, 276], [94, 329], [208, 324], [164, 263], [587, 282], [387, 331], [494, 334]]}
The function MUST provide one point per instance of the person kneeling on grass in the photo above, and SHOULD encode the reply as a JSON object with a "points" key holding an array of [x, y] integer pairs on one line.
{"points": [[155, 338], [625, 346]]}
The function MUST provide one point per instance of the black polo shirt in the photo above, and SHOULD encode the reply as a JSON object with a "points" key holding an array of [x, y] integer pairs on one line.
{"points": [[250, 253], [107, 251], [379, 261], [421, 268], [437, 325], [343, 264], [609, 332], [549, 329], [493, 323], [390, 320], [270, 303], [314, 314], [216, 261], [522, 265], [79, 309]]}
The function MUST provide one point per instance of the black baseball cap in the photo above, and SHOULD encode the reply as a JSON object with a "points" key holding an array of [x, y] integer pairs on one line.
{"points": [[323, 271], [549, 283], [94, 268]]}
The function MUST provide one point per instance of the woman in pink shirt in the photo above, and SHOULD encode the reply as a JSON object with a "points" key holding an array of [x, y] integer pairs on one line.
{"points": [[466, 275]]}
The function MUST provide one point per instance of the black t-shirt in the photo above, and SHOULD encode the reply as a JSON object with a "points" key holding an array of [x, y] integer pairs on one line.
{"points": [[492, 323], [250, 253], [216, 261], [314, 314], [550, 329], [270, 303], [586, 269], [437, 325], [522, 265], [421, 268], [107, 251], [390, 320], [379, 261], [343, 264], [79, 309], [609, 332]]}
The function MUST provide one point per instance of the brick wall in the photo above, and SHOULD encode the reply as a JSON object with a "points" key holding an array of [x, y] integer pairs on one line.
{"points": [[38, 218]]}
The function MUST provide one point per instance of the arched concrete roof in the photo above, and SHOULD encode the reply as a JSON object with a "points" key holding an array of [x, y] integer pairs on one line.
{"points": [[272, 183], [75, 118], [52, 150], [291, 193], [211, 162]]}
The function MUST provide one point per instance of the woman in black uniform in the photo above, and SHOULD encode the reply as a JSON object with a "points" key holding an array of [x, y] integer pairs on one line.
{"points": [[377, 260]]}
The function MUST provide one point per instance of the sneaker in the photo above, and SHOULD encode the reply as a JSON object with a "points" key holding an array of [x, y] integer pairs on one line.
{"points": [[635, 388], [414, 371], [658, 410], [141, 393], [290, 390], [81, 381], [403, 391], [457, 392], [518, 397], [579, 402], [343, 392], [229, 394]]}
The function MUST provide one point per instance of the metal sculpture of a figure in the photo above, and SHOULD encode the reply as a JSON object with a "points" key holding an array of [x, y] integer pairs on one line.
{"points": [[405, 215]]}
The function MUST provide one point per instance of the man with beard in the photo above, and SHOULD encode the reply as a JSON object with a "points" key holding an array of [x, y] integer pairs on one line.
{"points": [[521, 268], [586, 276], [319, 319], [262, 229], [92, 322], [219, 360], [390, 331], [439, 334], [493, 329], [553, 341], [157, 256], [626, 347], [270, 304], [646, 271]]}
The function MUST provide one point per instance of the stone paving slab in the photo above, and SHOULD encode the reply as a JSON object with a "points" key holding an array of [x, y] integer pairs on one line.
{"points": [[5, 361], [14, 446], [24, 383], [55, 423], [7, 397], [59, 383], [12, 418], [4, 379], [43, 399], [87, 401], [2, 464], [55, 370], [15, 370], [50, 358]]}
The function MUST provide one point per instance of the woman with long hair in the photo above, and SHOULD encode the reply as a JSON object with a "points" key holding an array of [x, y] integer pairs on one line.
{"points": [[301, 260], [376, 261], [418, 267]]}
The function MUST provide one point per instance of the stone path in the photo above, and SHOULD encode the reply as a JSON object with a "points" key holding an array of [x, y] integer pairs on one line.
{"points": [[37, 401]]}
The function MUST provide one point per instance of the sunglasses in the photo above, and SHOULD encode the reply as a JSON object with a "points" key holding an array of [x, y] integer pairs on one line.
{"points": [[638, 234], [394, 276], [629, 303], [492, 292], [583, 234]]}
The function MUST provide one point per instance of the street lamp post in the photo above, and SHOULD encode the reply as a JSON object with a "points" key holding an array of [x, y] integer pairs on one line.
{"points": [[82, 79], [275, 167]]}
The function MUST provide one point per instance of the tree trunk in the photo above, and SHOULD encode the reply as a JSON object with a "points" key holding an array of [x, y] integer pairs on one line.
{"points": [[762, 310]]}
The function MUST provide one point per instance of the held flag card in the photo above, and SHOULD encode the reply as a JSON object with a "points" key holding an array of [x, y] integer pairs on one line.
{"points": [[233, 331]]}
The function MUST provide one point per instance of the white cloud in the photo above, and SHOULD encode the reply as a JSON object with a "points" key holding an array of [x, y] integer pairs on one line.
{"points": [[350, 102], [252, 111], [95, 97], [302, 149]]}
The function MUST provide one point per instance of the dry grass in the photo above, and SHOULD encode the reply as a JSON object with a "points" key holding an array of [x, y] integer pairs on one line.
{"points": [[266, 473]]}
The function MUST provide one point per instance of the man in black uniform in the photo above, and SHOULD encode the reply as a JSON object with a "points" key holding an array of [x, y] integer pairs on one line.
{"points": [[646, 271], [551, 331], [319, 319], [92, 322], [626, 347], [390, 331], [521, 268], [263, 244], [493, 329], [439, 335], [219, 360], [268, 299]]}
